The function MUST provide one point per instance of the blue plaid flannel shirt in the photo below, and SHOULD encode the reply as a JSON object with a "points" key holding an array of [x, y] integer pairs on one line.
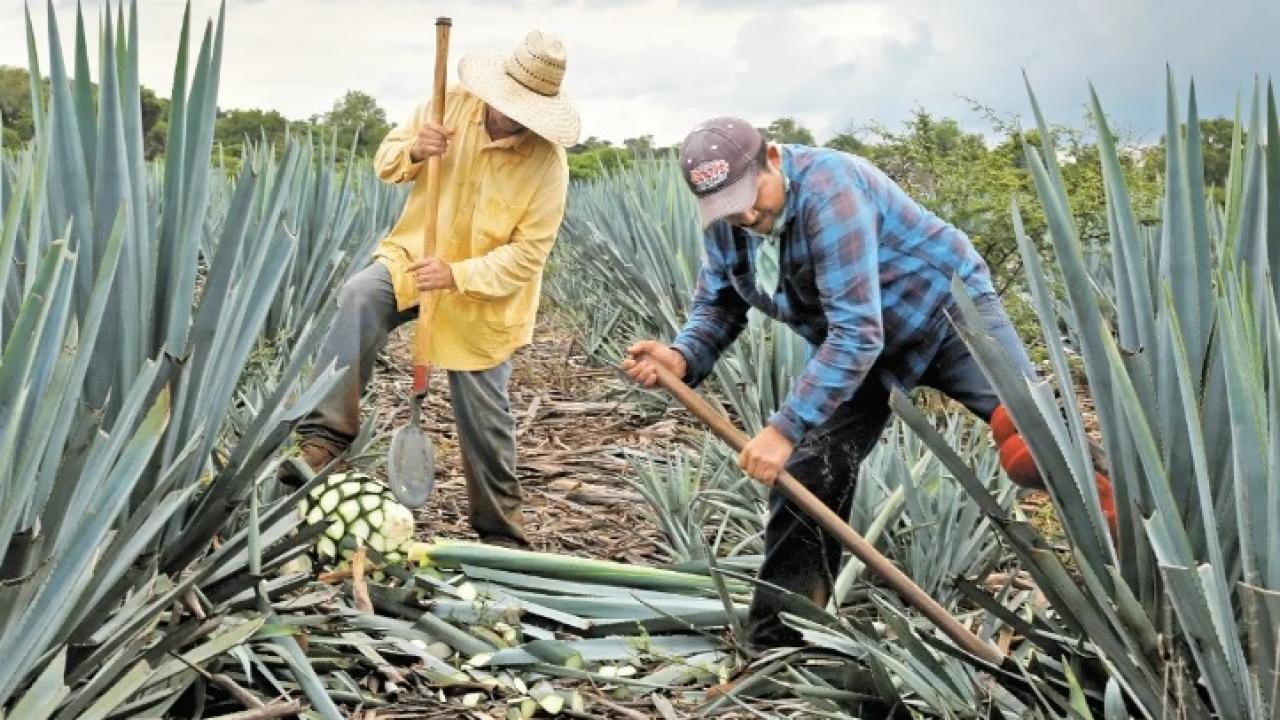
{"points": [[864, 275]]}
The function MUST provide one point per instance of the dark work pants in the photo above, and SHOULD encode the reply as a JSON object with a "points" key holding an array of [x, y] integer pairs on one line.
{"points": [[799, 556]]}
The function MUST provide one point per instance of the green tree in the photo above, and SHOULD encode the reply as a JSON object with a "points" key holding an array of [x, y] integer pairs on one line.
{"points": [[591, 143], [19, 128], [639, 146], [1215, 135], [971, 185], [787, 130], [15, 107], [357, 112], [155, 123], [847, 142], [592, 163], [928, 157], [233, 127]]}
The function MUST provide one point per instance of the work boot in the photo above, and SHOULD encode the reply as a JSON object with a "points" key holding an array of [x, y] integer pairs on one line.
{"points": [[317, 455]]}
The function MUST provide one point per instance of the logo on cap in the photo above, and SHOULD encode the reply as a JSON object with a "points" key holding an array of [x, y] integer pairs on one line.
{"points": [[709, 175]]}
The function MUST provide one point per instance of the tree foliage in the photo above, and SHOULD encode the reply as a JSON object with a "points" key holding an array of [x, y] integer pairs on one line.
{"points": [[234, 127], [591, 164], [639, 146], [787, 130], [847, 142], [15, 106], [19, 125], [356, 116], [355, 112]]}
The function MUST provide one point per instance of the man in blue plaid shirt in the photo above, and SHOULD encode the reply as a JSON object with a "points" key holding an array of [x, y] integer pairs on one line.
{"points": [[865, 276]]}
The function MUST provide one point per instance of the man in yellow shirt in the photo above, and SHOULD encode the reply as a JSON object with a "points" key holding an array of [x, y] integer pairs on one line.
{"points": [[503, 183]]}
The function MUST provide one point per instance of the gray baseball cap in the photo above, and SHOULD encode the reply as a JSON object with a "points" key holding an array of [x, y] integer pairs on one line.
{"points": [[719, 163]]}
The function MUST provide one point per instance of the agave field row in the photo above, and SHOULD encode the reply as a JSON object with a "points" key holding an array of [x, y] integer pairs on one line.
{"points": [[157, 327], [134, 297]]}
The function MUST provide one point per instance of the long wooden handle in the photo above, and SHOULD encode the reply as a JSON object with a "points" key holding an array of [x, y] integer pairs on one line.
{"points": [[832, 523], [427, 300]]}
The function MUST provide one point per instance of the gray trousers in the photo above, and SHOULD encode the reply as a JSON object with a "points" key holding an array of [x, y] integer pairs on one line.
{"points": [[367, 314]]}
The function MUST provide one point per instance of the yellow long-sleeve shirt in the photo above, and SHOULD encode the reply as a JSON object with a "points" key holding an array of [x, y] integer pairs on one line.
{"points": [[501, 203]]}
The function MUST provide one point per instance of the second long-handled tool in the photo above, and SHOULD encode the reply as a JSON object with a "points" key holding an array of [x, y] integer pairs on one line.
{"points": [[411, 467], [833, 524]]}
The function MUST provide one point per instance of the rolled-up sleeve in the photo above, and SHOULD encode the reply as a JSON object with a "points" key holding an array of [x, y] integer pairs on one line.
{"points": [[392, 161]]}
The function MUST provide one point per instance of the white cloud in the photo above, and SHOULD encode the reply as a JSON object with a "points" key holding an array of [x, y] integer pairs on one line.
{"points": [[659, 66]]}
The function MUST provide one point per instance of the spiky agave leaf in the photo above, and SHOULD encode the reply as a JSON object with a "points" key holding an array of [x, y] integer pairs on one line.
{"points": [[99, 265], [454, 554], [1185, 404]]}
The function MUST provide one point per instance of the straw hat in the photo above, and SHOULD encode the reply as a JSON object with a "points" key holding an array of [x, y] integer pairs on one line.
{"points": [[525, 86]]}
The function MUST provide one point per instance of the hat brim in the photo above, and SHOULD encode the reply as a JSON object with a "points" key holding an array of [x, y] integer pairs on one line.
{"points": [[554, 118], [734, 198]]}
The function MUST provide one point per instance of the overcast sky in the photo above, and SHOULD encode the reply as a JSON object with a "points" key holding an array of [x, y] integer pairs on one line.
{"points": [[659, 66]]}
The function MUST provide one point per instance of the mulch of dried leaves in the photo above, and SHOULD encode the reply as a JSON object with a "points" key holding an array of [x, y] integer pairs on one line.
{"points": [[574, 421]]}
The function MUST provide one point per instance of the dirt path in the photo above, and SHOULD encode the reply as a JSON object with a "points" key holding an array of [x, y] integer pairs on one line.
{"points": [[573, 422]]}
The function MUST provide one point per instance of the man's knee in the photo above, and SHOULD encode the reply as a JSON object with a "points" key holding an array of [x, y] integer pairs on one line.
{"points": [[361, 291], [368, 301]]}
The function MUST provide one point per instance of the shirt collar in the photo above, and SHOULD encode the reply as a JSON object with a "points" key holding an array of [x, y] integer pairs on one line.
{"points": [[521, 143], [792, 204]]}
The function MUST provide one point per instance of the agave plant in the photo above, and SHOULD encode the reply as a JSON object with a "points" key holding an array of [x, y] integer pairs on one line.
{"points": [[123, 351], [701, 501], [335, 217], [929, 527], [867, 653], [1177, 612]]}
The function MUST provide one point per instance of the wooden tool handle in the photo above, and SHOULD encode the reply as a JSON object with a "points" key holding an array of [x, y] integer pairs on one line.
{"points": [[832, 523], [427, 300]]}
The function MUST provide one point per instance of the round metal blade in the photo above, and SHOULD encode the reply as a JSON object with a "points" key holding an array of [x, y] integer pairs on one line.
{"points": [[411, 466]]}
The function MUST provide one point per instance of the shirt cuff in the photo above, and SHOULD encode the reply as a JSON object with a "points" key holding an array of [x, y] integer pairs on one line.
{"points": [[462, 270], [696, 368], [789, 424], [406, 168]]}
